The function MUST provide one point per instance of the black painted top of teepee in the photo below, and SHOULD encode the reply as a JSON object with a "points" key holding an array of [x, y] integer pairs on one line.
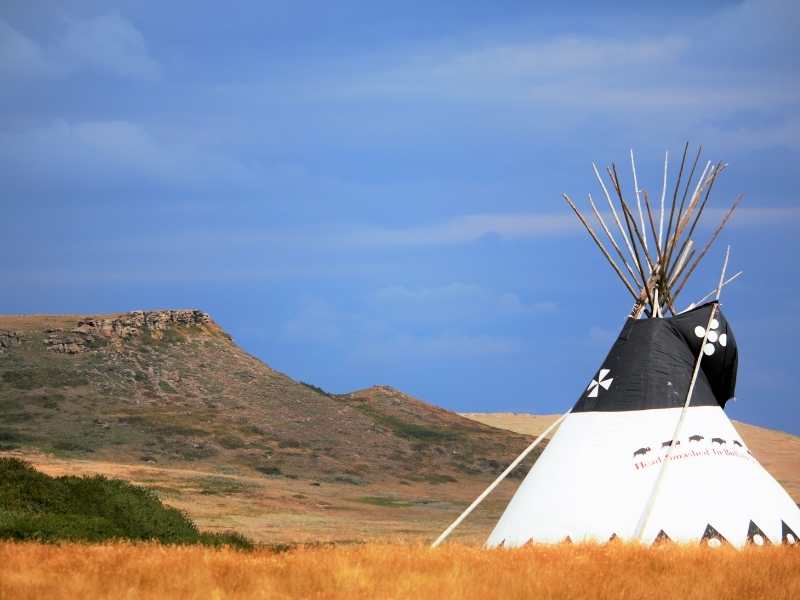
{"points": [[651, 364]]}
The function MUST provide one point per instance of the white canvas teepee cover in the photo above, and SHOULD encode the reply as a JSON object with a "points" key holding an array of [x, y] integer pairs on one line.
{"points": [[594, 479]]}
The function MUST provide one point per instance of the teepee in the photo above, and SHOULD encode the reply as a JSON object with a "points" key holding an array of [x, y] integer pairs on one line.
{"points": [[647, 452]]}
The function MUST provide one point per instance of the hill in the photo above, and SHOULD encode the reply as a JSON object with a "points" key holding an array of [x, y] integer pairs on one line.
{"points": [[166, 399], [172, 388], [777, 451]]}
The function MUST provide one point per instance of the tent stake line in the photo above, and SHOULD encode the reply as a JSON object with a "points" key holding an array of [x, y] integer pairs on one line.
{"points": [[497, 481]]}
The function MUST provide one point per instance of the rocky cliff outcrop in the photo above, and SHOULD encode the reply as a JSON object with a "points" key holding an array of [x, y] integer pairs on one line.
{"points": [[93, 333], [8, 339]]}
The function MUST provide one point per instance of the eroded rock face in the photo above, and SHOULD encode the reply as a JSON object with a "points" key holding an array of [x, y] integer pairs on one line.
{"points": [[8, 339], [59, 341], [97, 332]]}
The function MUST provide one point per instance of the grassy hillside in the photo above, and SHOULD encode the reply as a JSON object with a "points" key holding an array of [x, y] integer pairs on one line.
{"points": [[34, 506], [170, 388]]}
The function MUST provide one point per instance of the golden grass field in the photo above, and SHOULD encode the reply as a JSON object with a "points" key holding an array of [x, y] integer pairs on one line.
{"points": [[618, 571]]}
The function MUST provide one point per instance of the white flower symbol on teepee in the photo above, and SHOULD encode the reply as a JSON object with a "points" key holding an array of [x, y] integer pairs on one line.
{"points": [[712, 338], [601, 381]]}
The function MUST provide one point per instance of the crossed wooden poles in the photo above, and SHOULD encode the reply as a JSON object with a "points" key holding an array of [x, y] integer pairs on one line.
{"points": [[655, 270], [669, 262]]}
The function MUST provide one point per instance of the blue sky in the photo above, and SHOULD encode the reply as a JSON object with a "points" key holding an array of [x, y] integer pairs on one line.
{"points": [[363, 193]]}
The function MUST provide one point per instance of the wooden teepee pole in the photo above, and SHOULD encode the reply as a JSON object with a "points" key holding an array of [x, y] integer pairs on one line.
{"points": [[497, 481], [730, 279], [638, 200], [648, 510], [663, 193], [611, 238], [597, 241], [616, 216]]}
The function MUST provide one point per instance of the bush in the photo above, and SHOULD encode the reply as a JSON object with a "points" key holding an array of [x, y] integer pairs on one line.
{"points": [[317, 389], [410, 431], [268, 469], [231, 442], [35, 506]]}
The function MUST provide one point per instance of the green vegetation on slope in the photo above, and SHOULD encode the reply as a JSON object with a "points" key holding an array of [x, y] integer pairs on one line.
{"points": [[171, 388], [35, 506], [409, 430]]}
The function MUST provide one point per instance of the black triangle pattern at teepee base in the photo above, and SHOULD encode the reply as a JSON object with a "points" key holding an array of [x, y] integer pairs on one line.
{"points": [[566, 540], [662, 538], [755, 536], [788, 536], [711, 535]]}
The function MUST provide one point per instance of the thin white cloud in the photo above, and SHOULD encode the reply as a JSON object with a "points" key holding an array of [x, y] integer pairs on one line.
{"points": [[453, 301], [409, 347], [114, 148], [19, 55], [656, 83], [446, 321], [782, 134], [597, 95], [785, 216], [469, 228], [106, 43], [506, 71]]}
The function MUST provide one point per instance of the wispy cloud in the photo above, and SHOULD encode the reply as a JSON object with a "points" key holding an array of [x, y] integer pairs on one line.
{"points": [[436, 347], [493, 71], [441, 322], [453, 301], [19, 55], [105, 43], [113, 148], [662, 82], [469, 228], [782, 133]]}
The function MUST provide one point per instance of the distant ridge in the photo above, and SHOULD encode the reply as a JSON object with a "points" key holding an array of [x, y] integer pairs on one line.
{"points": [[170, 387]]}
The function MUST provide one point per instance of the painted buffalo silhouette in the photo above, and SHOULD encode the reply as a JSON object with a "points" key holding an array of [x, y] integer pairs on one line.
{"points": [[737, 443], [669, 443], [696, 438], [719, 441], [642, 451]]}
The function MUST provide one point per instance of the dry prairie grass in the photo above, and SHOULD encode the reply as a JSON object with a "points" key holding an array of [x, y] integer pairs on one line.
{"points": [[30, 571]]}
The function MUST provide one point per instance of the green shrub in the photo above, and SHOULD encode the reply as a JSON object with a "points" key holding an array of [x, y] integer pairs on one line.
{"points": [[220, 486], [34, 506], [317, 389], [231, 442], [268, 469], [10, 435], [290, 443], [69, 445], [408, 430]]}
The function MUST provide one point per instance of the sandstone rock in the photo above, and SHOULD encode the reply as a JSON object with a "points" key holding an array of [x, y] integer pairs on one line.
{"points": [[93, 332], [8, 339]]}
